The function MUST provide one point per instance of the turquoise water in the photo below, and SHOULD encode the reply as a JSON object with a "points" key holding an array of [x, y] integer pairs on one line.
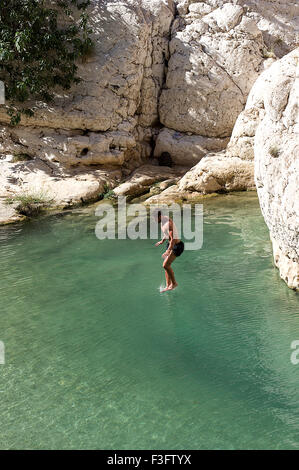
{"points": [[97, 357]]}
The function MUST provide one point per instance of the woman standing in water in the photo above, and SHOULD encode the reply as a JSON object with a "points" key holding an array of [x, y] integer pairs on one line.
{"points": [[174, 248]]}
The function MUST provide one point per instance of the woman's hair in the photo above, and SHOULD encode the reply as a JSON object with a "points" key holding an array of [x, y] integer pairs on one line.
{"points": [[157, 214]]}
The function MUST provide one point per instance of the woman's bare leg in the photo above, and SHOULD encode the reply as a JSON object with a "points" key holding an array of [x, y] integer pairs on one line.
{"points": [[168, 278], [169, 274], [173, 281]]}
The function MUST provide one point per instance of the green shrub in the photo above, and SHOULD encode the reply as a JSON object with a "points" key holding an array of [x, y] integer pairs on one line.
{"points": [[37, 54], [108, 193], [29, 204], [268, 53], [274, 152], [21, 157]]}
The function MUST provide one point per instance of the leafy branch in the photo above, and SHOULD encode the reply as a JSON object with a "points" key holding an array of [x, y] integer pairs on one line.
{"points": [[37, 54]]}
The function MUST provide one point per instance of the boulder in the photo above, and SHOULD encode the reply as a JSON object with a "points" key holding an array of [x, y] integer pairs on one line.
{"points": [[142, 179], [186, 149], [218, 173]]}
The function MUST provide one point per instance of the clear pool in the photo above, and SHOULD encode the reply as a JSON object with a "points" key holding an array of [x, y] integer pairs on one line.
{"points": [[98, 358]]}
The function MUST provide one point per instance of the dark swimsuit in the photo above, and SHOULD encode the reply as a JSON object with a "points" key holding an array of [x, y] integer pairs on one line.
{"points": [[177, 249]]}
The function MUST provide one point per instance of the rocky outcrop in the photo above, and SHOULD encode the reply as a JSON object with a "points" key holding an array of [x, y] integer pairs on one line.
{"points": [[142, 179], [173, 195], [268, 132], [276, 149], [8, 214], [65, 187], [217, 173]]}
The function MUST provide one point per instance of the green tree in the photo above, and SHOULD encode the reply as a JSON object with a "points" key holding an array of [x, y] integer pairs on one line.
{"points": [[37, 53]]}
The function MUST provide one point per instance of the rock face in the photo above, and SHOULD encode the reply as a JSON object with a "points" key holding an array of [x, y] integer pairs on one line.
{"points": [[107, 122], [276, 149], [186, 149], [207, 85], [268, 132], [186, 65], [276, 19], [107, 118], [279, 22], [218, 48], [241, 144]]}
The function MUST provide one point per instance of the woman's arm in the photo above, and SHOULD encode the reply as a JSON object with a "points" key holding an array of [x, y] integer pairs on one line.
{"points": [[171, 244], [171, 240], [160, 242]]}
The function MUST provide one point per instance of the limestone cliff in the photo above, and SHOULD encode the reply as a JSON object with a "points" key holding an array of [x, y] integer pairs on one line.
{"points": [[99, 121], [276, 149], [268, 132], [106, 122], [184, 66]]}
